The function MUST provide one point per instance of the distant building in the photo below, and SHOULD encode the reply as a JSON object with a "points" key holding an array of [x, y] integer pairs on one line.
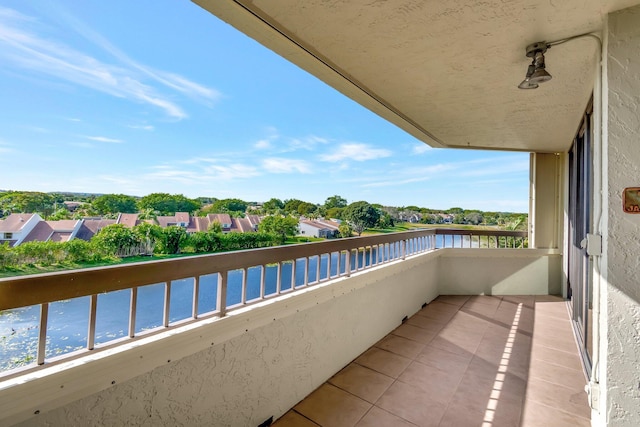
{"points": [[15, 228], [54, 231], [319, 228]]}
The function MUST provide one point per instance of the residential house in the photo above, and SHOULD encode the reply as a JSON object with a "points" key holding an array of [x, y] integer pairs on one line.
{"points": [[54, 231], [319, 228], [91, 226], [17, 226]]}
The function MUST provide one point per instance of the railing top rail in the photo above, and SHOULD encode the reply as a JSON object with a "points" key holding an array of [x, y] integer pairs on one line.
{"points": [[462, 232], [22, 291]]}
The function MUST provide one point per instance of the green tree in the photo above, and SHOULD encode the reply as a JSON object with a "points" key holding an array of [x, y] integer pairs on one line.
{"points": [[172, 239], [281, 226], [60, 214], [334, 213], [116, 239], [345, 230], [291, 206], [385, 221], [306, 208], [27, 202], [229, 206], [148, 235], [168, 204], [215, 227], [335, 202], [272, 205], [361, 215], [115, 203]]}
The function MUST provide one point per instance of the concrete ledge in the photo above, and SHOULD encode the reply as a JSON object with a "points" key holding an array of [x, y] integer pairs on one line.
{"points": [[500, 272]]}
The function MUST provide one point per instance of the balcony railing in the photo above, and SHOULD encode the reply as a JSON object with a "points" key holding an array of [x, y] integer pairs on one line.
{"points": [[201, 287]]}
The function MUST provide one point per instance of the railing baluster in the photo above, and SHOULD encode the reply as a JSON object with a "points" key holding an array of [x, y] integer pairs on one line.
{"points": [[167, 303], [293, 274], [221, 300], [403, 249], [348, 264], [243, 289], [318, 268], [196, 297], [278, 278], [42, 333], [328, 266], [306, 271], [91, 333], [263, 281], [133, 303]]}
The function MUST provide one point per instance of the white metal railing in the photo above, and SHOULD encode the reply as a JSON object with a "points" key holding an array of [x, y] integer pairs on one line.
{"points": [[216, 285]]}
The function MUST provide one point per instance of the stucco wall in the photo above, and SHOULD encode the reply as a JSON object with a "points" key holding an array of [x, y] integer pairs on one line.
{"points": [[240, 370], [500, 272], [620, 398]]}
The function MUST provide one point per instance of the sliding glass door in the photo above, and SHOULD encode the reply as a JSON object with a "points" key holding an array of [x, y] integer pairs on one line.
{"points": [[580, 193]]}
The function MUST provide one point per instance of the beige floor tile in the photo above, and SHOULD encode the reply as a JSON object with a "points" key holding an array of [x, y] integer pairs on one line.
{"points": [[466, 340], [452, 347], [412, 404], [513, 357], [330, 406], [485, 299], [526, 300], [383, 361], [293, 419], [362, 382], [377, 417], [479, 309], [400, 345], [443, 359], [426, 323], [571, 378], [565, 344], [495, 413], [457, 416], [567, 359], [468, 322], [486, 381], [538, 415], [437, 315], [415, 333], [438, 385], [559, 397], [457, 300]]}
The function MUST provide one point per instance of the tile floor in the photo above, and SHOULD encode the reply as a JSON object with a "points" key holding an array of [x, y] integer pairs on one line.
{"points": [[461, 361]]}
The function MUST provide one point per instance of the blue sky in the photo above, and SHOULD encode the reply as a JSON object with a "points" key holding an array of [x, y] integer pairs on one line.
{"points": [[144, 96]]}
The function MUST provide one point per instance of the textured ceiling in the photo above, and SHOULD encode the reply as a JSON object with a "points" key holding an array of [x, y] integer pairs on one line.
{"points": [[444, 71]]}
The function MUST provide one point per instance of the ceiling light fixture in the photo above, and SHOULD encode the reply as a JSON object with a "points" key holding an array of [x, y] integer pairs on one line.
{"points": [[536, 72]]}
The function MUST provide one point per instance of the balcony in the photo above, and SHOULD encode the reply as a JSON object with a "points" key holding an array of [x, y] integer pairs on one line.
{"points": [[268, 342], [461, 361]]}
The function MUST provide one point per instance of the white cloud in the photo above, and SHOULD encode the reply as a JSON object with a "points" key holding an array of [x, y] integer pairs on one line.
{"points": [[357, 152], [231, 172], [421, 148], [307, 143], [282, 165], [262, 144], [105, 139], [28, 50], [142, 127]]}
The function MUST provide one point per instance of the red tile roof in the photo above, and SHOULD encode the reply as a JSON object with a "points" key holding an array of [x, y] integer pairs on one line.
{"points": [[14, 222], [129, 220]]}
